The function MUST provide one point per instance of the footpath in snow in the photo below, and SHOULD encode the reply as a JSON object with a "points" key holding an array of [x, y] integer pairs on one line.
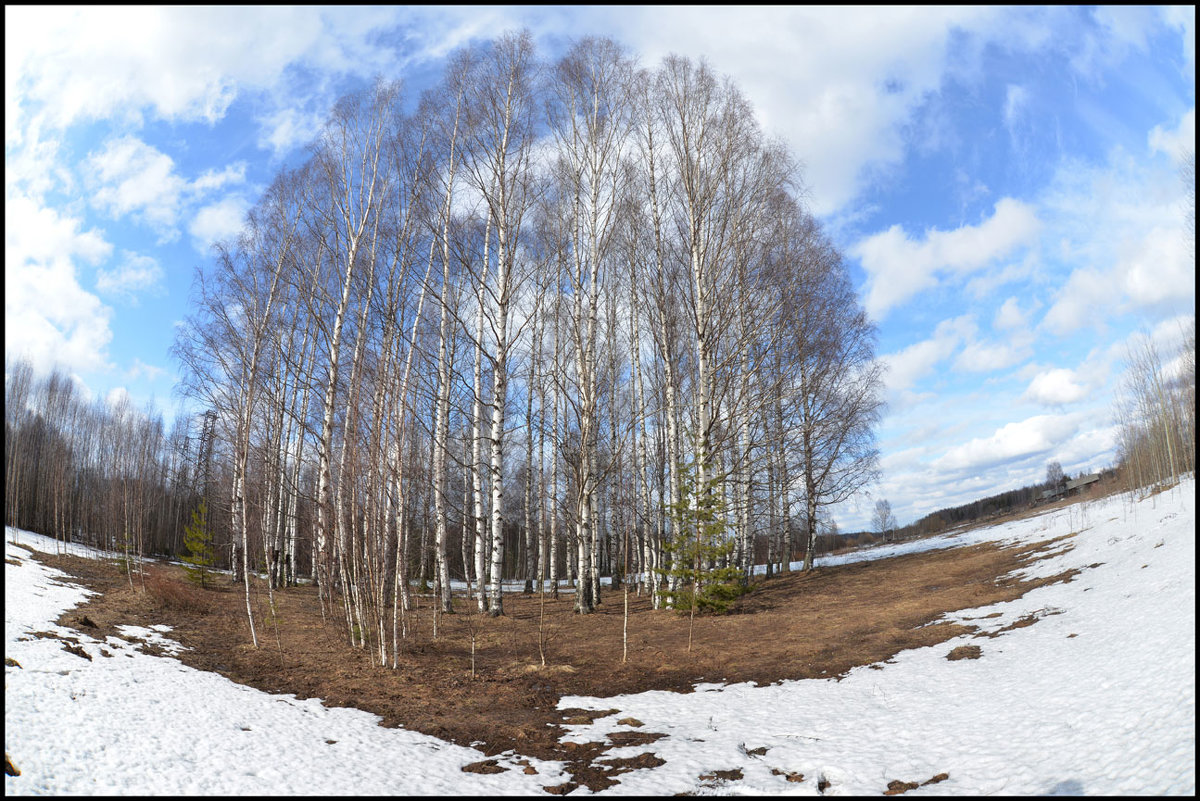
{"points": [[1096, 697]]}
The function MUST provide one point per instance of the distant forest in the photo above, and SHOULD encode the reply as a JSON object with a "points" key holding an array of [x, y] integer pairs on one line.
{"points": [[998, 505]]}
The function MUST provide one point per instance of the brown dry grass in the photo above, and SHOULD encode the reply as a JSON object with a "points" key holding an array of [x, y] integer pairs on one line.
{"points": [[819, 624], [176, 594]]}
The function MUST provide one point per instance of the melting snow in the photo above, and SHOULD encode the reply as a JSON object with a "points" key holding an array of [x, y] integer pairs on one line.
{"points": [[1097, 697]]}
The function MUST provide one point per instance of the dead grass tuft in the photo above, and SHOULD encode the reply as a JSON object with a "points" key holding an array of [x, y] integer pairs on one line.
{"points": [[965, 652], [178, 596]]}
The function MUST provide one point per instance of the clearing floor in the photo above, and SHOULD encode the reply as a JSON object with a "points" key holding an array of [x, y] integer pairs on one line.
{"points": [[792, 626]]}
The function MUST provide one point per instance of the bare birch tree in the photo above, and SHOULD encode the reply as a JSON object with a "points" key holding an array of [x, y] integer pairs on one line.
{"points": [[497, 155]]}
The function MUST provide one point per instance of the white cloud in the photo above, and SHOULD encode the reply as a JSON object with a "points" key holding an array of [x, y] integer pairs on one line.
{"points": [[1183, 19], [914, 362], [845, 90], [1169, 334], [132, 275], [1020, 440], [1016, 98], [902, 460], [1011, 316], [985, 284], [185, 64], [212, 180], [129, 176], [283, 128], [1015, 343], [1080, 301], [119, 398], [181, 63], [1117, 30], [1016, 112], [1090, 449], [1055, 388], [1158, 271], [1127, 26], [1175, 143], [218, 221], [33, 165], [849, 90], [1166, 339], [1153, 272], [1122, 242], [986, 357], [899, 267], [48, 317], [140, 369]]}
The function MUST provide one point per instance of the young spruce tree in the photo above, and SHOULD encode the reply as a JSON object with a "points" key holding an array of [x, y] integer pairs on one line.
{"points": [[702, 553], [198, 540]]}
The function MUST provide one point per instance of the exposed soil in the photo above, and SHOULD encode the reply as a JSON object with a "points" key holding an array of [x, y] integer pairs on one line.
{"points": [[793, 626]]}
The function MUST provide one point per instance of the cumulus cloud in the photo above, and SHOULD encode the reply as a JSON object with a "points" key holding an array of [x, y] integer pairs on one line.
{"points": [[1081, 301], [33, 162], [129, 176], [1154, 271], [283, 128], [1157, 270], [218, 221], [1167, 340], [214, 180], [909, 365], [1122, 243], [132, 275], [1014, 344], [1170, 334], [987, 357], [1012, 442], [1055, 388], [1090, 449], [1010, 316], [119, 399], [1175, 143], [899, 266], [849, 89], [49, 318], [186, 64]]}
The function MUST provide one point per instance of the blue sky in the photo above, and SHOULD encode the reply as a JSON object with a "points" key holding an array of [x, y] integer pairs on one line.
{"points": [[1003, 181]]}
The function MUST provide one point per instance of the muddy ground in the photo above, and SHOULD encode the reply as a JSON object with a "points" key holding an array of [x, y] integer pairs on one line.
{"points": [[792, 626]]}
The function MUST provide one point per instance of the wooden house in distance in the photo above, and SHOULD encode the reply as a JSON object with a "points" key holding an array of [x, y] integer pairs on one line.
{"points": [[1052, 494], [1072, 487], [1077, 485]]}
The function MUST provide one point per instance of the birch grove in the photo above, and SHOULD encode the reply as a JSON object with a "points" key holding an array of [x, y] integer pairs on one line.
{"points": [[496, 335]]}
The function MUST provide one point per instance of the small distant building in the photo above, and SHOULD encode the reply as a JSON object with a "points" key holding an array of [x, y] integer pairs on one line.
{"points": [[1052, 493], [1083, 481]]}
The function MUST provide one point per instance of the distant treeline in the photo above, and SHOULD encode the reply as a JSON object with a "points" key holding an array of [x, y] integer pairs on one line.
{"points": [[1004, 503]]}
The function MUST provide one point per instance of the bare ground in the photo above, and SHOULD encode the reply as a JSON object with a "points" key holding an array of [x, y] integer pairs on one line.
{"points": [[793, 626]]}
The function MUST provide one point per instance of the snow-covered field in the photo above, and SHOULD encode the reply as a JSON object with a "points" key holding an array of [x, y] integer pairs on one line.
{"points": [[1098, 697]]}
